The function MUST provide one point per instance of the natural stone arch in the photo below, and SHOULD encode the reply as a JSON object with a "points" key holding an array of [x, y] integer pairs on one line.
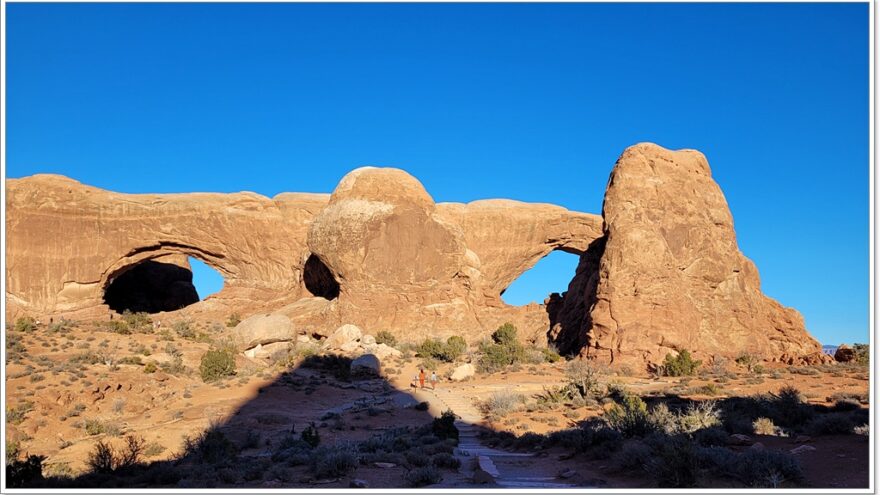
{"points": [[318, 279], [156, 278]]}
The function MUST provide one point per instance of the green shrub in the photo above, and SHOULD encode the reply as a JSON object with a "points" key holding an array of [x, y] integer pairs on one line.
{"points": [[455, 347], [630, 416], [680, 365], [137, 321], [863, 353], [16, 415], [444, 426], [211, 446], [150, 367], [674, 463], [551, 355], [310, 436], [831, 424], [25, 324], [505, 335], [427, 475], [216, 364], [184, 329], [445, 460], [333, 461], [502, 403], [24, 473], [788, 408], [582, 378], [387, 338], [233, 320], [493, 358]]}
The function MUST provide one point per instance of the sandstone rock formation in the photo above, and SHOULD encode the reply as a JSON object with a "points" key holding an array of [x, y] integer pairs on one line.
{"points": [[263, 329], [668, 274], [659, 271]]}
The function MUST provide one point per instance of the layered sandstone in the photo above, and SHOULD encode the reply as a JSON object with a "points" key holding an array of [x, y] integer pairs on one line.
{"points": [[668, 274], [659, 271]]}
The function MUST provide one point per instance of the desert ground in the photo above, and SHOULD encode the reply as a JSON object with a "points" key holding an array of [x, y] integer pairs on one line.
{"points": [[123, 403]]}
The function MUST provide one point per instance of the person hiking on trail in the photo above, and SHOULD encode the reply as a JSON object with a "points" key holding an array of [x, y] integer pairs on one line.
{"points": [[433, 380], [421, 378]]}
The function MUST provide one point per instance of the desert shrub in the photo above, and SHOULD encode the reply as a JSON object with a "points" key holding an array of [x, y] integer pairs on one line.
{"points": [[25, 472], [427, 475], [863, 353], [788, 408], [25, 324], [416, 458], [505, 335], [551, 355], [844, 405], [17, 414], [502, 403], [698, 416], [713, 436], [135, 360], [764, 426], [118, 326], [310, 436], [674, 462], [430, 348], [503, 350], [137, 321], [233, 320], [529, 441], [210, 446], [150, 367], [748, 361], [630, 416], [830, 424], [216, 364], [633, 455], [582, 378], [445, 460], [387, 338], [94, 427], [333, 461], [493, 358], [105, 459], [455, 347], [184, 329], [421, 406], [444, 426], [765, 468], [680, 365]]}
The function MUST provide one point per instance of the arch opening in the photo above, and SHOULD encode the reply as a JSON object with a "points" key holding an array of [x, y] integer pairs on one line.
{"points": [[551, 274], [319, 280], [167, 283]]}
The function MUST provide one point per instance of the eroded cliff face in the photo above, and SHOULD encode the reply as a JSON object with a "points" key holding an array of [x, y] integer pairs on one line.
{"points": [[661, 272], [668, 274], [378, 253]]}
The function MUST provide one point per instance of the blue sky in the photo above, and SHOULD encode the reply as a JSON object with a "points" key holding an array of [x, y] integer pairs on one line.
{"points": [[526, 101]]}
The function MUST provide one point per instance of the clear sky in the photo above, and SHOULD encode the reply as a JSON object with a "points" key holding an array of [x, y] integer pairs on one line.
{"points": [[532, 102]]}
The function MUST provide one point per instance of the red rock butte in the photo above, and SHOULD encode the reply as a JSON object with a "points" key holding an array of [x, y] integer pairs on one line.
{"points": [[659, 270]]}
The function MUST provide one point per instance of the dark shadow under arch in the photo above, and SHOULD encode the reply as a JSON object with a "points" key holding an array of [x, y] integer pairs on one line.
{"points": [[151, 287], [319, 280]]}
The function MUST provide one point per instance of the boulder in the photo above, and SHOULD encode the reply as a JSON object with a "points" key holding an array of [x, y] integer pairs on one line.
{"points": [[844, 354], [346, 334], [367, 364], [368, 340], [383, 351], [801, 449], [462, 372], [263, 329]]}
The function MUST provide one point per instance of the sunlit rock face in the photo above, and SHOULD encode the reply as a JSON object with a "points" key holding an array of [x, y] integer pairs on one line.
{"points": [[660, 270]]}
